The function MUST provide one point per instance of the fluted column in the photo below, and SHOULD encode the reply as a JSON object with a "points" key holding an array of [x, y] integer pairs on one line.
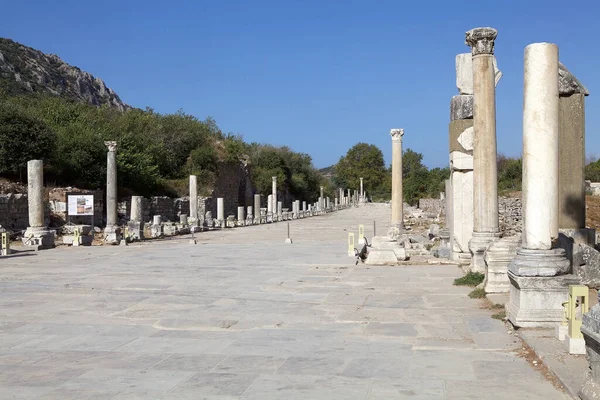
{"points": [[485, 173], [397, 221]]}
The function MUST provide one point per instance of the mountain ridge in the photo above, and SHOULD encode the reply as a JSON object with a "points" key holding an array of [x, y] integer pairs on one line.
{"points": [[25, 70]]}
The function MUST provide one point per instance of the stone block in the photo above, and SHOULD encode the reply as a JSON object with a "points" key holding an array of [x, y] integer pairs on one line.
{"points": [[591, 334], [460, 136], [537, 301], [589, 270], [497, 257], [464, 73], [382, 257], [461, 107], [461, 161], [575, 345]]}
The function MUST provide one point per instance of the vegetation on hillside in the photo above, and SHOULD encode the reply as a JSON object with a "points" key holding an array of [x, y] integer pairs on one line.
{"points": [[156, 152]]}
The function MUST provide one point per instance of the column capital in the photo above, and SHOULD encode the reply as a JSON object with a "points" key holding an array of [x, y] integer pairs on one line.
{"points": [[274, 178], [112, 145], [397, 134], [481, 40]]}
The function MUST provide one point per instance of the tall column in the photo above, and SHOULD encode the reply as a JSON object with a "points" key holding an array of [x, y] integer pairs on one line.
{"points": [[362, 191], [536, 293], [342, 196], [240, 216], [193, 220], [257, 208], [274, 197], [112, 232], [485, 174], [221, 212], [397, 222], [37, 234]]}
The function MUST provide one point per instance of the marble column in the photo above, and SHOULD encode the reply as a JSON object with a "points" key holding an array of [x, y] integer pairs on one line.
{"points": [[257, 209], [193, 219], [341, 196], [397, 222], [136, 219], [221, 212], [536, 293], [38, 233], [362, 192], [274, 197], [240, 216], [304, 206], [249, 215], [486, 228], [112, 232]]}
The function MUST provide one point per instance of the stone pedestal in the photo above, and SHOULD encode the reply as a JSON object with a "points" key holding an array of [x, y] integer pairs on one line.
{"points": [[156, 229], [591, 334], [135, 230], [497, 257], [536, 301]]}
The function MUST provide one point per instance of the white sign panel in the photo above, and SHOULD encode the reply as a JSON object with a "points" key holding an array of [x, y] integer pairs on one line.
{"points": [[81, 204]]}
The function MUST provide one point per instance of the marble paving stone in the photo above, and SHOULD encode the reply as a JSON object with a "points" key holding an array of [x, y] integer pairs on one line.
{"points": [[243, 316]]}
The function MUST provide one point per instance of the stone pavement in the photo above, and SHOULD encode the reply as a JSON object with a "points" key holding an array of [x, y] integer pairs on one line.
{"points": [[242, 315]]}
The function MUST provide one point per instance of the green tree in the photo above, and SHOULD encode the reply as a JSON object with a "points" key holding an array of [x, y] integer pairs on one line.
{"points": [[415, 177], [362, 161], [22, 138]]}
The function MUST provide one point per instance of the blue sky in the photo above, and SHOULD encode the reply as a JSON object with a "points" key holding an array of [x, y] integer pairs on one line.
{"points": [[317, 76]]}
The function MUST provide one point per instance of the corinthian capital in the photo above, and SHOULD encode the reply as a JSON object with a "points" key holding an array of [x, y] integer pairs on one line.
{"points": [[481, 40], [397, 134], [112, 145]]}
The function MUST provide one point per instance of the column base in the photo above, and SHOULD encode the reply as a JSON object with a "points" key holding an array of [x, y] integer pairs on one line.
{"points": [[477, 246], [135, 231], [112, 234], [537, 301], [156, 231], [395, 231], [39, 237], [497, 257], [539, 263], [591, 334]]}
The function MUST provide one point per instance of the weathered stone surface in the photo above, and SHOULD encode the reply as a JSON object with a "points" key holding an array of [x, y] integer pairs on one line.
{"points": [[382, 257], [568, 84], [591, 334], [497, 257], [461, 107], [589, 272], [461, 161], [455, 130], [464, 73], [537, 301], [542, 263]]}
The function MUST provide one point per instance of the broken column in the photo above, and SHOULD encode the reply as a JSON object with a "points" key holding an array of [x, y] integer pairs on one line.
{"points": [[193, 218], [279, 211], [485, 174], [112, 232], [135, 225], [362, 192], [249, 215], [240, 216], [539, 285], [397, 222], [221, 212], [37, 234], [269, 208], [257, 209]]}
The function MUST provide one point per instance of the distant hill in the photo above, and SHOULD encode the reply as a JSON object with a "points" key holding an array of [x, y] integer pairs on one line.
{"points": [[25, 70], [328, 172]]}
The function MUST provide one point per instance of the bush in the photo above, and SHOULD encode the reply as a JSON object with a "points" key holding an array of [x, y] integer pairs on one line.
{"points": [[22, 138], [471, 279], [477, 294]]}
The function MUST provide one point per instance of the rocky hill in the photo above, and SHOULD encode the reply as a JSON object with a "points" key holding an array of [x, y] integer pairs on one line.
{"points": [[26, 70]]}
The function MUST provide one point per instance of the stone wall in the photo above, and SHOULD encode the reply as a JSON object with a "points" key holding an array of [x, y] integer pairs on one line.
{"points": [[510, 215], [434, 206], [233, 184], [14, 211]]}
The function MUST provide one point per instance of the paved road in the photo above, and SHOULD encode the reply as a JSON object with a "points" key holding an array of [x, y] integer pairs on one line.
{"points": [[241, 315]]}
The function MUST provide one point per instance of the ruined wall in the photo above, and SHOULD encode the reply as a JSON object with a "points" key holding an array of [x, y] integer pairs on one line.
{"points": [[510, 212], [14, 211], [233, 184], [434, 206]]}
